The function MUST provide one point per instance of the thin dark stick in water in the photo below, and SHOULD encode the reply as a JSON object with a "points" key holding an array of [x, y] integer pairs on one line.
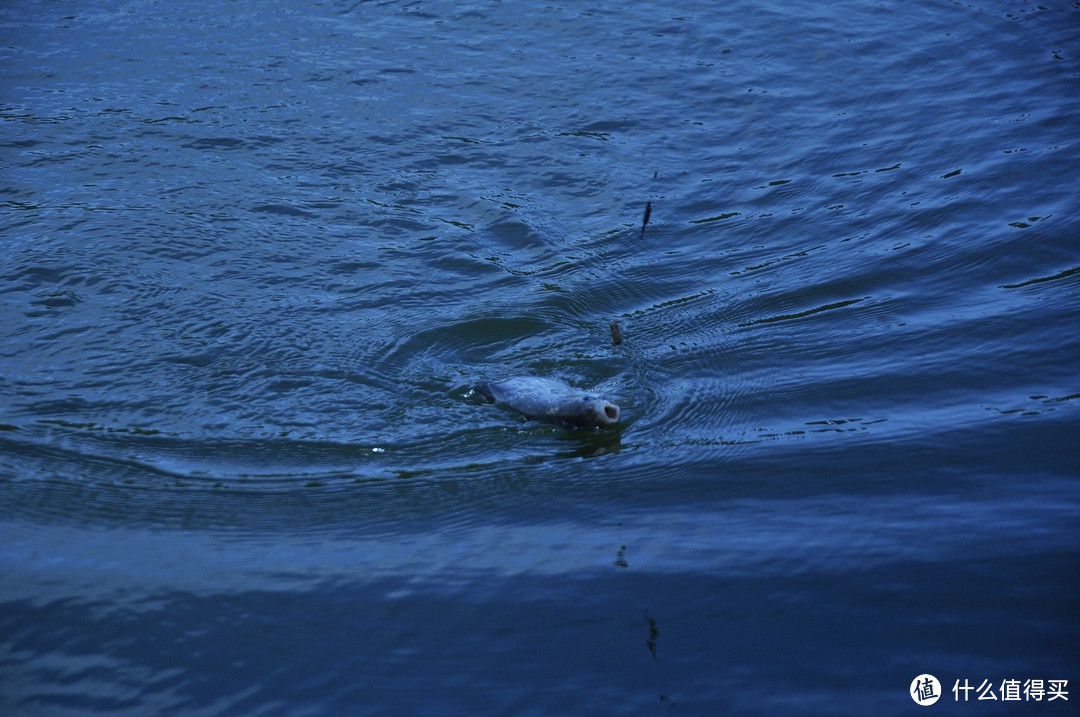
{"points": [[648, 211], [616, 336]]}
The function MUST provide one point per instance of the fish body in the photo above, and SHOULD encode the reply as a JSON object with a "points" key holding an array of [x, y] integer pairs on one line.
{"points": [[549, 399]]}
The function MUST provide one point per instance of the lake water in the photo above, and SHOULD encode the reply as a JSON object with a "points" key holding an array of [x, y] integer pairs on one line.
{"points": [[256, 254]]}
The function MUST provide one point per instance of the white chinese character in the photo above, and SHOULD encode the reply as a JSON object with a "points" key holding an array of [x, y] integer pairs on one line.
{"points": [[957, 689], [986, 691], [1057, 690], [1010, 690], [1033, 690]]}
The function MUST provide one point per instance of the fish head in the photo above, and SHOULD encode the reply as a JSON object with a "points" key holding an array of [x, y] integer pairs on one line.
{"points": [[588, 412]]}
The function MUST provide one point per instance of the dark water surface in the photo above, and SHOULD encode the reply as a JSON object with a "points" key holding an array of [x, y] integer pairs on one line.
{"points": [[255, 254]]}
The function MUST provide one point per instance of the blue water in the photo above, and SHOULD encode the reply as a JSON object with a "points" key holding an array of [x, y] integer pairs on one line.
{"points": [[256, 254]]}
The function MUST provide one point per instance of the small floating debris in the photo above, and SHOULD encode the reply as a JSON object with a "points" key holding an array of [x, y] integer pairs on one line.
{"points": [[616, 335]]}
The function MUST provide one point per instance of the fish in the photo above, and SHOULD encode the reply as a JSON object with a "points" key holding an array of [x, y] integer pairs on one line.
{"points": [[551, 400]]}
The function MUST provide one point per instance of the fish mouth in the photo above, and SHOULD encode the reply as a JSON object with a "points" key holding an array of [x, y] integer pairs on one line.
{"points": [[609, 413]]}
